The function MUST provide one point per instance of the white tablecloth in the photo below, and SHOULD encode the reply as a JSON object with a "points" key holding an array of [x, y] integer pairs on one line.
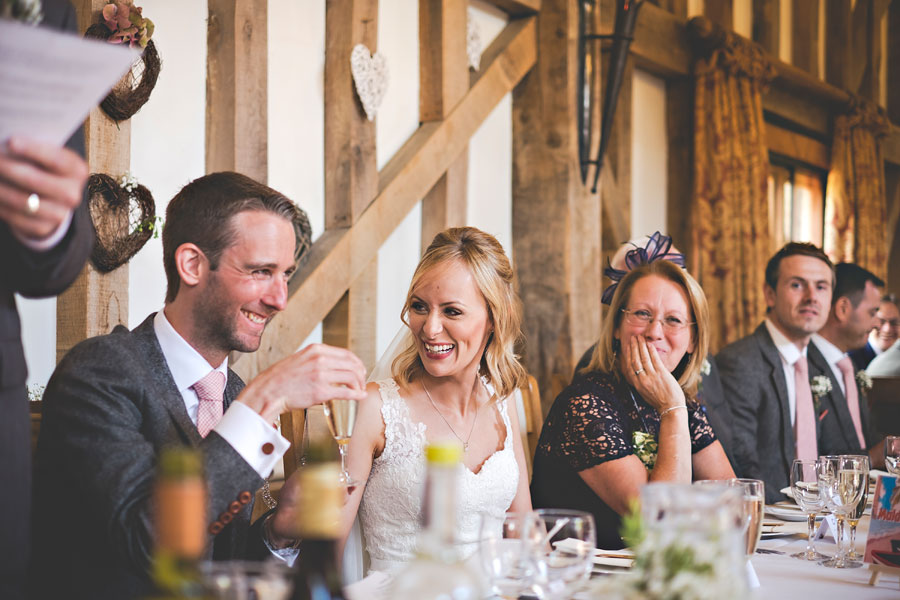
{"points": [[781, 576]]}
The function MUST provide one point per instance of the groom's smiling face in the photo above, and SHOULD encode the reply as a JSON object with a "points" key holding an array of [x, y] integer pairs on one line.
{"points": [[449, 318]]}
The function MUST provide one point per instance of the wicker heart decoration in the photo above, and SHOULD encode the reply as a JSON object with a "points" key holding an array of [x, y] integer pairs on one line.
{"points": [[123, 220], [370, 75]]}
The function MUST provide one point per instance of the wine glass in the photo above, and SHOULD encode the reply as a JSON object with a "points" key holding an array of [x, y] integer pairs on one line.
{"points": [[857, 513], [841, 479], [507, 553], [754, 506], [892, 454], [809, 497], [563, 552], [340, 414]]}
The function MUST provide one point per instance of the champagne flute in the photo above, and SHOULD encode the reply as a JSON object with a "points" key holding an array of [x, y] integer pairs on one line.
{"points": [[892, 454], [857, 513], [808, 496], [754, 506], [841, 480], [340, 413]]}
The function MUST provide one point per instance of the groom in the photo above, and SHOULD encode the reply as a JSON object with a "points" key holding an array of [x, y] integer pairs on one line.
{"points": [[230, 245]]}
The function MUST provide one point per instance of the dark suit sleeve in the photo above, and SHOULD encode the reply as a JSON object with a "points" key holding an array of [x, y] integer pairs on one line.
{"points": [[742, 395], [103, 428]]}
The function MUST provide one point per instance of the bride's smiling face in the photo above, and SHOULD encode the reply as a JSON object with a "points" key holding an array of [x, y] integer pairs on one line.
{"points": [[449, 318]]}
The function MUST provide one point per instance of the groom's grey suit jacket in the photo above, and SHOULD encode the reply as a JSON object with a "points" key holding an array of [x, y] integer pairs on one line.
{"points": [[755, 388], [109, 408]]}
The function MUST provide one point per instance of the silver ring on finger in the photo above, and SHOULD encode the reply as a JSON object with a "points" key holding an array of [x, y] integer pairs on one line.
{"points": [[33, 203], [639, 371]]}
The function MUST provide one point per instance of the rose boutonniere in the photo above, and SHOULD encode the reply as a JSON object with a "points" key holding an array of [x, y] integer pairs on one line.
{"points": [[863, 381], [27, 11], [819, 386], [645, 448]]}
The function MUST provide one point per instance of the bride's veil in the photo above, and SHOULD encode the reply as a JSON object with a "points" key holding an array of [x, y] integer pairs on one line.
{"points": [[355, 563], [382, 368]]}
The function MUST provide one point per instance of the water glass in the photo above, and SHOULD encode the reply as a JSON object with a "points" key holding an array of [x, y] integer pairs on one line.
{"points": [[752, 511], [809, 497], [842, 479], [507, 553], [892, 454], [563, 552]]}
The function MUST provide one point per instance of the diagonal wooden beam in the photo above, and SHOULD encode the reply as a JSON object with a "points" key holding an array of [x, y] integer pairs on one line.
{"points": [[340, 255], [517, 8]]}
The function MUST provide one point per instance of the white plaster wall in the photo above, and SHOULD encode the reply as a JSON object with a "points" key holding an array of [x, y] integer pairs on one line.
{"points": [[168, 145], [648, 154]]}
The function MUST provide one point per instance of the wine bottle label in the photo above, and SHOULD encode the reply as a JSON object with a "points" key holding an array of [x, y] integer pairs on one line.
{"points": [[320, 501], [181, 516]]}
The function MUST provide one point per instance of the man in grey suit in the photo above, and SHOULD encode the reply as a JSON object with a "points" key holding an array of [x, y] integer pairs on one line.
{"points": [[854, 307], [763, 372], [230, 245]]}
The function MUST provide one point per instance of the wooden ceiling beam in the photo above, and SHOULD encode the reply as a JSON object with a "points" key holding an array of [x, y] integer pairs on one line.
{"points": [[517, 8], [339, 256]]}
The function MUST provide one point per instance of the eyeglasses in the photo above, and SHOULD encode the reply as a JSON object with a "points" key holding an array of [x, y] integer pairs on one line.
{"points": [[894, 323], [642, 318]]}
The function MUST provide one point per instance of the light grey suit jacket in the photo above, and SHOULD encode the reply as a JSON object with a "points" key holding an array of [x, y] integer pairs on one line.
{"points": [[755, 389], [109, 408], [886, 364]]}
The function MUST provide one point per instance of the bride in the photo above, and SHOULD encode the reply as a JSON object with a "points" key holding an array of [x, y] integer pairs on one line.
{"points": [[452, 376]]}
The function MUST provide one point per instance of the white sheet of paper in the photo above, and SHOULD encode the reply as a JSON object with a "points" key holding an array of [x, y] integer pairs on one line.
{"points": [[50, 80]]}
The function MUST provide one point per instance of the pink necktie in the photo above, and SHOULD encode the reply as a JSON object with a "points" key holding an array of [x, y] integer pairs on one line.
{"points": [[846, 367], [209, 390], [805, 421]]}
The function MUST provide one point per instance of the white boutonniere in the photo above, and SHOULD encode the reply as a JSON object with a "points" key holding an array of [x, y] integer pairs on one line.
{"points": [[705, 367], [27, 11], [863, 381], [645, 448], [819, 386]]}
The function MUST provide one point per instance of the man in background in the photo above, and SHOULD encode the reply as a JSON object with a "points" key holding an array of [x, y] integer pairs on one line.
{"points": [[45, 237], [883, 336], [854, 306]]}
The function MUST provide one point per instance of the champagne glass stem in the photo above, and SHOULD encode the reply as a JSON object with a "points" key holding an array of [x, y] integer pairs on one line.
{"points": [[342, 448], [810, 544], [852, 551], [840, 539]]}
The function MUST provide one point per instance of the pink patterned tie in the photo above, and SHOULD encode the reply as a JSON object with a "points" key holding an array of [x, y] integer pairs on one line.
{"points": [[209, 390], [805, 421], [850, 392]]}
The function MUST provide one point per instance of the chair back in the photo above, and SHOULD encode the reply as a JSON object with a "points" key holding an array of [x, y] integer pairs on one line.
{"points": [[531, 419], [884, 404]]}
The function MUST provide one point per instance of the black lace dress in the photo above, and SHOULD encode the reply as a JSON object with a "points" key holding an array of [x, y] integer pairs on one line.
{"points": [[593, 421]]}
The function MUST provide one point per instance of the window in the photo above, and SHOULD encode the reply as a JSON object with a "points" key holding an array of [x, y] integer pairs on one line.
{"points": [[796, 203]]}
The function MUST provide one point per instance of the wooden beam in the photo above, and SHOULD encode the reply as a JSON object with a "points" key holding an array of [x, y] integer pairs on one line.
{"points": [[556, 238], [893, 63], [96, 302], [615, 179], [339, 256], [767, 25], [660, 43], [805, 36], [351, 323], [798, 146], [720, 12], [890, 147], [676, 7], [680, 167], [870, 84], [236, 88], [351, 174], [838, 48], [443, 82], [517, 8]]}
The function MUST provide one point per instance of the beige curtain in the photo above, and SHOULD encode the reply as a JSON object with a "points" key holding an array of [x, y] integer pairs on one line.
{"points": [[855, 212], [730, 218]]}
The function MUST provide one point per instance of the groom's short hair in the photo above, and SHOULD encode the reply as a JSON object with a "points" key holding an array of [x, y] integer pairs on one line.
{"points": [[201, 214]]}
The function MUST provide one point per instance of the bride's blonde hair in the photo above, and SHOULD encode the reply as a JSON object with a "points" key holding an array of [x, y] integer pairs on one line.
{"points": [[483, 255]]}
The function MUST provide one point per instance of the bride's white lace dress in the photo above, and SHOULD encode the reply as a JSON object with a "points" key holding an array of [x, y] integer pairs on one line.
{"points": [[392, 501]]}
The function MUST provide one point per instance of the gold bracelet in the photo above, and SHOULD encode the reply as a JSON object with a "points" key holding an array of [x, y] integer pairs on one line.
{"points": [[670, 409]]}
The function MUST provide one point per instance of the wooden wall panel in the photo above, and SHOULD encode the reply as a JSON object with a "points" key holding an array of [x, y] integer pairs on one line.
{"points": [[556, 238], [805, 36], [236, 88], [893, 63], [443, 81], [96, 302], [680, 138], [720, 12], [767, 24]]}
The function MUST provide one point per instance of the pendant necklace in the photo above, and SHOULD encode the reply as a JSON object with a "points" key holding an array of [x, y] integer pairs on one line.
{"points": [[465, 442]]}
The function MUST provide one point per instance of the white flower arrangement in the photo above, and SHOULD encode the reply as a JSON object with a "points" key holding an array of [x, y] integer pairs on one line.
{"points": [[35, 392], [26, 11], [705, 367], [863, 381]]}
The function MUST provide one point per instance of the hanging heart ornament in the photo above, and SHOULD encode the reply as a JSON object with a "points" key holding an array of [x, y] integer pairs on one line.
{"points": [[370, 75], [123, 220]]}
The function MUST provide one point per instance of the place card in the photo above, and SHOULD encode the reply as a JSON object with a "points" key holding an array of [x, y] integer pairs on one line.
{"points": [[883, 543]]}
